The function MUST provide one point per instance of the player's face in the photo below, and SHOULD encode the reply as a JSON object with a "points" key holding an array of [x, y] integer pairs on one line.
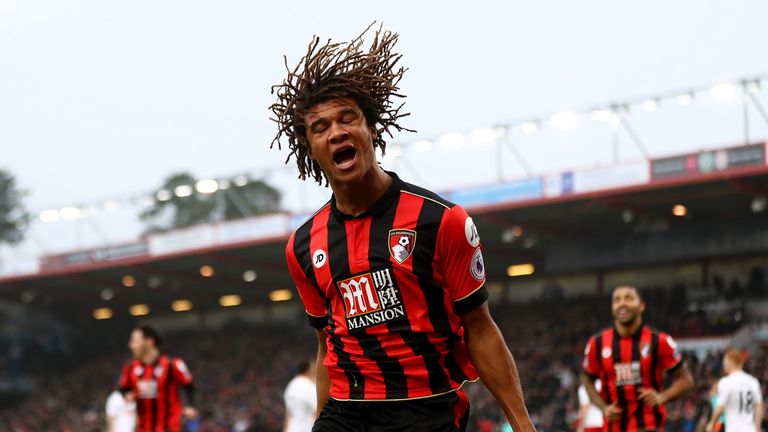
{"points": [[340, 140], [626, 305], [138, 344]]}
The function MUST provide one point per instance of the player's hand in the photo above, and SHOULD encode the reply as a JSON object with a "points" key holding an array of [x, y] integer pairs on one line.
{"points": [[190, 412], [612, 412], [710, 427], [650, 397]]}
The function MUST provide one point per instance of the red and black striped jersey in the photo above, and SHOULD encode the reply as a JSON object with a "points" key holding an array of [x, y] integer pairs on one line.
{"points": [[627, 364], [156, 387], [388, 288]]}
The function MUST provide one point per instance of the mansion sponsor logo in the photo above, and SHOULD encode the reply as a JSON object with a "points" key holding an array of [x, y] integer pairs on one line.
{"points": [[628, 374], [370, 298]]}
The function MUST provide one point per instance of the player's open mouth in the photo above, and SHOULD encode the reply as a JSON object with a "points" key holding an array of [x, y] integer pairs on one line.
{"points": [[344, 157]]}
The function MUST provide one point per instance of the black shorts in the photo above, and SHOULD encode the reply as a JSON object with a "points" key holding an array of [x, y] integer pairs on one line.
{"points": [[444, 413]]}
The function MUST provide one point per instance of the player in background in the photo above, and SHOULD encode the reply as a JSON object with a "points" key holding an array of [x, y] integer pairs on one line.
{"points": [[301, 399], [121, 413], [630, 359], [391, 275], [739, 397], [153, 381], [590, 416]]}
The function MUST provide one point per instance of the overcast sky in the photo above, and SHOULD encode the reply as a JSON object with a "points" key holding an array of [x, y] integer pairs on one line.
{"points": [[103, 99]]}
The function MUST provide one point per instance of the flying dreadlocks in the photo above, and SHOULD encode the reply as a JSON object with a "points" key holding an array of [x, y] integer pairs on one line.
{"points": [[337, 70]]}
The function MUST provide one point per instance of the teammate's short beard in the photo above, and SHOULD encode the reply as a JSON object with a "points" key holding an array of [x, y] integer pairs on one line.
{"points": [[633, 316]]}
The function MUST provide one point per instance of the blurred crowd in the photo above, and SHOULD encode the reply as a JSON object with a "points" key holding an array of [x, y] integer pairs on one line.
{"points": [[241, 370]]}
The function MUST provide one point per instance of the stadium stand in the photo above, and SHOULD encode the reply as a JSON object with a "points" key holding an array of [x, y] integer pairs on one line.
{"points": [[242, 369]]}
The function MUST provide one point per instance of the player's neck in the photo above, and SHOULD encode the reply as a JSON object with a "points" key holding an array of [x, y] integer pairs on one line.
{"points": [[354, 198], [150, 357], [628, 329]]}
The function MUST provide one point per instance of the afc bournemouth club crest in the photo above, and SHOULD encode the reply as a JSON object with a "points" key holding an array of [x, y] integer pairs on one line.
{"points": [[401, 244]]}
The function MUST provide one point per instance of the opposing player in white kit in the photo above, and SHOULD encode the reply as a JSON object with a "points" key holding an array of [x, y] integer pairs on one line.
{"points": [[590, 416], [301, 399], [739, 397], [121, 413]]}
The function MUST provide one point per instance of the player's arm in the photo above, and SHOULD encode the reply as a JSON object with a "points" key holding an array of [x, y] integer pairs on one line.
{"points": [[459, 260], [610, 412], [496, 366], [314, 304], [583, 410], [189, 409], [594, 396], [682, 382], [723, 397], [184, 377], [592, 369], [322, 382], [758, 416], [672, 361], [718, 411], [124, 383]]}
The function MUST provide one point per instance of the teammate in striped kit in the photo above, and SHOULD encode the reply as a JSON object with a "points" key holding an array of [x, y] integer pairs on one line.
{"points": [[391, 275], [630, 359], [153, 381], [739, 397]]}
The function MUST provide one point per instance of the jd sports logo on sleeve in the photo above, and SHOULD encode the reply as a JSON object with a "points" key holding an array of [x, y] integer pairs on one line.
{"points": [[319, 258], [470, 231]]}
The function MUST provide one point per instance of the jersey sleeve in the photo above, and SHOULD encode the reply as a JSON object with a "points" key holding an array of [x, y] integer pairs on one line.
{"points": [[460, 260], [181, 372], [591, 363], [670, 356], [124, 383], [314, 303]]}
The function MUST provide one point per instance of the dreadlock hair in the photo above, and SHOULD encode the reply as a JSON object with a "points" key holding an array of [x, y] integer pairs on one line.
{"points": [[339, 70]]}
